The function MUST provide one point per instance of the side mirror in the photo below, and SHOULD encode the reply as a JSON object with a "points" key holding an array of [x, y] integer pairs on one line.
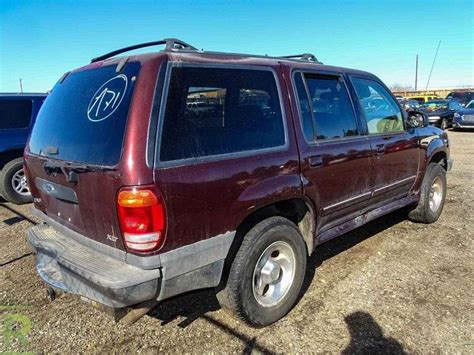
{"points": [[417, 119]]}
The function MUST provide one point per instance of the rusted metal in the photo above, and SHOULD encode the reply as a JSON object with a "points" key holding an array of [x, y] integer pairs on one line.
{"points": [[139, 311]]}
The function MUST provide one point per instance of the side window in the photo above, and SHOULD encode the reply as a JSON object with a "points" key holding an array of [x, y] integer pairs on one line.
{"points": [[15, 113], [205, 107], [381, 112], [305, 109], [331, 107], [211, 111]]}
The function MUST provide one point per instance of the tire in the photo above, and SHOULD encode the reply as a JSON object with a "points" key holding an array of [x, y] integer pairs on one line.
{"points": [[444, 124], [13, 170], [280, 240], [434, 184]]}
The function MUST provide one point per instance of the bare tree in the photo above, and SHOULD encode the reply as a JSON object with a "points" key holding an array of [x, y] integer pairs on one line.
{"points": [[401, 87]]}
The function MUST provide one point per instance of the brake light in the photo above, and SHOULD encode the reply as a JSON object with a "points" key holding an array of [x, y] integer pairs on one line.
{"points": [[142, 219]]}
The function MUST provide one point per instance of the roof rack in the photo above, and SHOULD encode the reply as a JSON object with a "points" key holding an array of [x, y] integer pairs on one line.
{"points": [[170, 44], [174, 44], [307, 57]]}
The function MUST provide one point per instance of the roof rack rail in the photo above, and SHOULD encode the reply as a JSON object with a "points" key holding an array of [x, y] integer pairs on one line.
{"points": [[170, 44], [304, 57]]}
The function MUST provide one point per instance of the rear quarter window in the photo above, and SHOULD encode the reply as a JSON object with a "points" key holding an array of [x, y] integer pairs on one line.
{"points": [[215, 111], [15, 113]]}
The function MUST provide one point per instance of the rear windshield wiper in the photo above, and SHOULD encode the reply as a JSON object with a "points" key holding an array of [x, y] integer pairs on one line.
{"points": [[71, 170]]}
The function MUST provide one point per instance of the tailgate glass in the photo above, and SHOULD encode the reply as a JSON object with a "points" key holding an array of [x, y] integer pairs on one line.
{"points": [[84, 118]]}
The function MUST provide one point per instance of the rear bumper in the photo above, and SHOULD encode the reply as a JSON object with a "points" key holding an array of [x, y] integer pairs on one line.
{"points": [[71, 267], [66, 264]]}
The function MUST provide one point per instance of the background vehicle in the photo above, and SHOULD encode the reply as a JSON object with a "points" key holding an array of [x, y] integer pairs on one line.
{"points": [[17, 115], [423, 98], [464, 97], [409, 105], [151, 196], [464, 118], [441, 112]]}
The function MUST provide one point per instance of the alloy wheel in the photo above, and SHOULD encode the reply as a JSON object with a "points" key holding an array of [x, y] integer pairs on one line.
{"points": [[19, 183], [274, 274]]}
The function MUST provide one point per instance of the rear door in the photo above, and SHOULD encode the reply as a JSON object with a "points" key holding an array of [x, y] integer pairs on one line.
{"points": [[335, 155], [395, 147]]}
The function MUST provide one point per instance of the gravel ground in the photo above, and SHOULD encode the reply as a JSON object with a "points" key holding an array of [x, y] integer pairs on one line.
{"points": [[391, 286]]}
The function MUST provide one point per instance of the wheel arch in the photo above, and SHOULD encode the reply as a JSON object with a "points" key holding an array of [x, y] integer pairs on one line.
{"points": [[300, 210], [439, 157]]}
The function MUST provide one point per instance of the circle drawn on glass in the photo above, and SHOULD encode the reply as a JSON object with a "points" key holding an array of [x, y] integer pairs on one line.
{"points": [[107, 98]]}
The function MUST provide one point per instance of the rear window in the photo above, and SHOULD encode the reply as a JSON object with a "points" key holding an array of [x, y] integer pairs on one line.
{"points": [[212, 111], [15, 113], [85, 116]]}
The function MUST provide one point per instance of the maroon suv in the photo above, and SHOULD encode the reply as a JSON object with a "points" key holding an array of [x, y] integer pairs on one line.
{"points": [[161, 173]]}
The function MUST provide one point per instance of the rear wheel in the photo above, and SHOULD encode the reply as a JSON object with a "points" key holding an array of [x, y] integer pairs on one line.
{"points": [[267, 274], [13, 184], [433, 194]]}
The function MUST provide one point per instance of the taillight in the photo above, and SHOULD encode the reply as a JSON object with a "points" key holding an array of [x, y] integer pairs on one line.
{"points": [[142, 219]]}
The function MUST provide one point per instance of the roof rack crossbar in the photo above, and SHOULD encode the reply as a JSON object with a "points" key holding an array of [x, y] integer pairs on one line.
{"points": [[305, 56], [170, 44]]}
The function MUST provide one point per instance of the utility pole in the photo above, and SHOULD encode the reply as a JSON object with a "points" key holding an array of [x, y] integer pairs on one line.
{"points": [[416, 73], [21, 86], [432, 66]]}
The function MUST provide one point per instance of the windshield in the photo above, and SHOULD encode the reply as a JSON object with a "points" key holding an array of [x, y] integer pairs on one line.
{"points": [[83, 119], [470, 104], [436, 105]]}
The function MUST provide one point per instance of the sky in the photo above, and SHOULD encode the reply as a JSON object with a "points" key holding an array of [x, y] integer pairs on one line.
{"points": [[40, 40]]}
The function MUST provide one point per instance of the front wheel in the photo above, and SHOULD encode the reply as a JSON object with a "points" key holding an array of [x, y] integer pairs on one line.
{"points": [[267, 274], [13, 184], [444, 124], [432, 197]]}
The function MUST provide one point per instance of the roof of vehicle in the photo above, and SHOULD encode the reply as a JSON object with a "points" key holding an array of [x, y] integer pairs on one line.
{"points": [[441, 101], [31, 94], [177, 50], [460, 93]]}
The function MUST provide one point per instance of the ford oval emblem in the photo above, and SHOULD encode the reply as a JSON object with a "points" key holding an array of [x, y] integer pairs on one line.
{"points": [[49, 188]]}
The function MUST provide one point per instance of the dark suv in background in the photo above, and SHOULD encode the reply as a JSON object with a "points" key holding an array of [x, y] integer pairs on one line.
{"points": [[17, 115], [185, 169], [464, 97], [441, 112]]}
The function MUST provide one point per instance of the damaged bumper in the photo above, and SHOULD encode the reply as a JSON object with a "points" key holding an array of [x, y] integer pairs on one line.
{"points": [[72, 263], [67, 265]]}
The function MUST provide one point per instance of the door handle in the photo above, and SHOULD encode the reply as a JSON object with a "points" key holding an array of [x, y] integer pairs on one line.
{"points": [[315, 161], [380, 148]]}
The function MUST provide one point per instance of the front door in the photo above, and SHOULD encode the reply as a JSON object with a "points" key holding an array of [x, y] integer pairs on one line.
{"points": [[395, 147]]}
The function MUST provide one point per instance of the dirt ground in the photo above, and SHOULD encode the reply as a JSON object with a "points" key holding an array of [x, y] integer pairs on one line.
{"points": [[391, 286]]}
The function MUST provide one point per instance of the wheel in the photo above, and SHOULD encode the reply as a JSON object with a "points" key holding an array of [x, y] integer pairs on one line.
{"points": [[267, 274], [13, 185], [433, 194], [444, 124]]}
